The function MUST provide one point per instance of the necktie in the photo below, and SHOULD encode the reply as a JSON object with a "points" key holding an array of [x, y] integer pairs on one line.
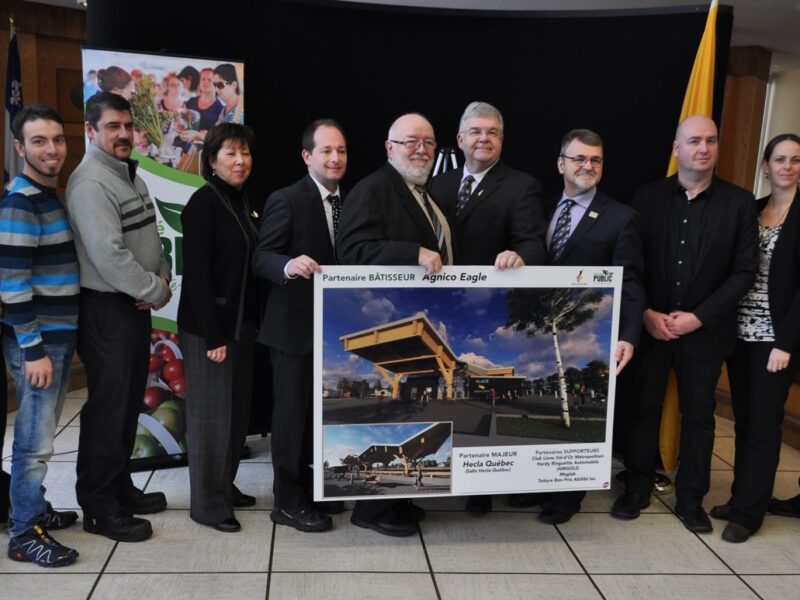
{"points": [[336, 210], [437, 225], [464, 193], [561, 232]]}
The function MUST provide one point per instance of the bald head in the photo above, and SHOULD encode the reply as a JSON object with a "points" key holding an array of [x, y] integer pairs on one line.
{"points": [[692, 122], [695, 147], [411, 146]]}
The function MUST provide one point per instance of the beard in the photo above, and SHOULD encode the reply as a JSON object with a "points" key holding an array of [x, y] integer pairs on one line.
{"points": [[44, 172], [412, 174]]}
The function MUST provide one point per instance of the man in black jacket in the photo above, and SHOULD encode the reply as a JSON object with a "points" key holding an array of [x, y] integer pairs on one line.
{"points": [[597, 231], [700, 250], [390, 219], [297, 236]]}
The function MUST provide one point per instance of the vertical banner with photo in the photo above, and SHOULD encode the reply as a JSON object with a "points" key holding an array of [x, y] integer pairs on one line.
{"points": [[175, 101], [469, 381]]}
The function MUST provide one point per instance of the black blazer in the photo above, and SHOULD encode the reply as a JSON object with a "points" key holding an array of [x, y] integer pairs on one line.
{"points": [[218, 291], [293, 223], [609, 234], [504, 212], [382, 223], [783, 288], [725, 268]]}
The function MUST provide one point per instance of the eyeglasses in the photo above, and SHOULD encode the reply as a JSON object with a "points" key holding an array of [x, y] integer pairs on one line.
{"points": [[580, 160], [414, 144], [478, 132], [221, 84]]}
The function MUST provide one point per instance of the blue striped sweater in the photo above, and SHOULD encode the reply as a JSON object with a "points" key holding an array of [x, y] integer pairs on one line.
{"points": [[39, 280]]}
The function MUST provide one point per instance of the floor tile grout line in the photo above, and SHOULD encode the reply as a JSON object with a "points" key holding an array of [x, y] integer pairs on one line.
{"points": [[271, 556], [579, 561], [735, 573], [102, 570], [428, 561]]}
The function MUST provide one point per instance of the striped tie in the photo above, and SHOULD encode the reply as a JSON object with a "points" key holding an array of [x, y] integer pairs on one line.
{"points": [[437, 225], [561, 232]]}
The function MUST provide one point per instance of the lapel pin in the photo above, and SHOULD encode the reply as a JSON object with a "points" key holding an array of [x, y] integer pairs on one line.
{"points": [[593, 215], [479, 193]]}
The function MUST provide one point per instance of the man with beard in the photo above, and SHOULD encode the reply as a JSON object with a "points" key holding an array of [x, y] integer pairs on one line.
{"points": [[123, 275], [390, 219], [39, 289], [586, 227]]}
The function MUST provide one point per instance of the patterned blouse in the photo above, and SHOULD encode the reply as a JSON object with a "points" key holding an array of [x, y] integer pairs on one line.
{"points": [[754, 323]]}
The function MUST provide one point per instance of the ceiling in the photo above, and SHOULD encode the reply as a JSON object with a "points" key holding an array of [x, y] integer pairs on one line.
{"points": [[771, 24]]}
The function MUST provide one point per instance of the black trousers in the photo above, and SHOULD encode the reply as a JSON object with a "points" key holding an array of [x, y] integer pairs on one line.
{"points": [[292, 429], [114, 346], [218, 397], [697, 380], [758, 398]]}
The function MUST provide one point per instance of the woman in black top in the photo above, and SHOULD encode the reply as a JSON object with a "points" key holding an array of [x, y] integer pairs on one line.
{"points": [[768, 344], [217, 318]]}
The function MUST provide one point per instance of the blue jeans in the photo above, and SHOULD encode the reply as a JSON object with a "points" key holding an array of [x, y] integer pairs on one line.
{"points": [[34, 429]]}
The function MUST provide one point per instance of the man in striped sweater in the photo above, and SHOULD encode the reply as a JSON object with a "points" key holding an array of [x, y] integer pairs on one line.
{"points": [[39, 288]]}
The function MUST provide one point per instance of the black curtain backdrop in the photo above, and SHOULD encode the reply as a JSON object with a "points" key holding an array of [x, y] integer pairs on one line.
{"points": [[621, 73]]}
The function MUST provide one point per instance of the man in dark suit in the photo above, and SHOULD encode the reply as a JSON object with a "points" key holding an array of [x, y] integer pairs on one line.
{"points": [[297, 236], [495, 212], [700, 250], [390, 219], [587, 228]]}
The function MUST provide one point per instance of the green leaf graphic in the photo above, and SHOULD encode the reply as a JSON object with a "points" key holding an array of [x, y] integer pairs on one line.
{"points": [[171, 213]]}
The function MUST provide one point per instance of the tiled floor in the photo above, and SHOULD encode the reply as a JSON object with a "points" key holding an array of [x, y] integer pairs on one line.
{"points": [[505, 555]]}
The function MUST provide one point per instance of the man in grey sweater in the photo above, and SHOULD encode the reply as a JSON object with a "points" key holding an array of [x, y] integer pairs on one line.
{"points": [[123, 275]]}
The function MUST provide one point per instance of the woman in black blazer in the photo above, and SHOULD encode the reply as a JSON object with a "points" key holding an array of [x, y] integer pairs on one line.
{"points": [[768, 344], [217, 316]]}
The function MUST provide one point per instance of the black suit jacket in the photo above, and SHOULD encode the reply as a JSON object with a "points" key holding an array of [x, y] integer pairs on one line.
{"points": [[293, 223], [504, 212], [382, 223], [725, 266], [609, 234], [783, 288]]}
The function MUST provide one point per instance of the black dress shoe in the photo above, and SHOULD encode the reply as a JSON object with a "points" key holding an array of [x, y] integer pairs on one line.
{"points": [[556, 515], [406, 510], [230, 525], [119, 526], [479, 505], [329, 508], [721, 512], [387, 523], [527, 500], [694, 519], [242, 500], [629, 506], [736, 533], [302, 519], [140, 503], [785, 508]]}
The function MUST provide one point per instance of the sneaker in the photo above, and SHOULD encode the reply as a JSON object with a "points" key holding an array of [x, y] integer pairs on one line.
{"points": [[119, 526], [58, 519], [36, 546]]}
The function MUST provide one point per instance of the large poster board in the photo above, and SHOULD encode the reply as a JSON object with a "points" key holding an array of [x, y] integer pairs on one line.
{"points": [[168, 132], [470, 381]]}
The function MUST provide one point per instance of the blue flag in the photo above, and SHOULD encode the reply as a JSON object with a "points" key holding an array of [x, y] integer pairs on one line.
{"points": [[13, 163]]}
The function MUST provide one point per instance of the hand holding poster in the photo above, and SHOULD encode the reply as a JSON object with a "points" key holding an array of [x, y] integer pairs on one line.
{"points": [[468, 381]]}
